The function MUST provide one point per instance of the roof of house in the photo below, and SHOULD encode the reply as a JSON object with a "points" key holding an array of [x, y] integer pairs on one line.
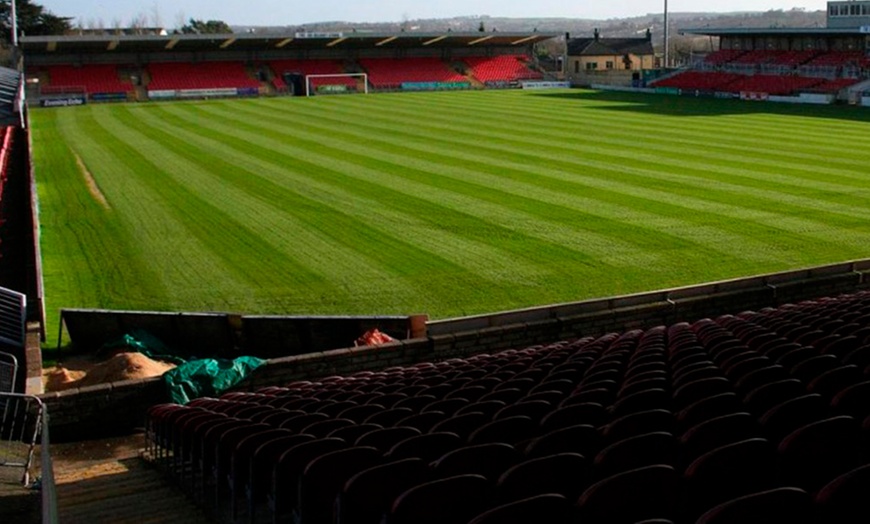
{"points": [[609, 46]]}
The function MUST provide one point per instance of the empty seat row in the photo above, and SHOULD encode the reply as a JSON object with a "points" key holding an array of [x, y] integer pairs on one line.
{"points": [[781, 392], [200, 75]]}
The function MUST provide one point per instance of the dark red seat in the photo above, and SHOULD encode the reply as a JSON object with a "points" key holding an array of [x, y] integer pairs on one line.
{"points": [[429, 446], [325, 476], [635, 452], [729, 471], [631, 496], [787, 505], [844, 499], [567, 474], [815, 454], [450, 500], [288, 470], [549, 508], [716, 432], [489, 460], [367, 496]]}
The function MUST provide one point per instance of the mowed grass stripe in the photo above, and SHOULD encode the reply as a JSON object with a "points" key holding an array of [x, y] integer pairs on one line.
{"points": [[285, 254], [742, 126], [350, 158], [640, 146], [618, 198], [190, 243], [558, 203], [816, 200], [86, 251], [370, 199], [519, 179], [456, 287], [322, 220], [613, 143]]}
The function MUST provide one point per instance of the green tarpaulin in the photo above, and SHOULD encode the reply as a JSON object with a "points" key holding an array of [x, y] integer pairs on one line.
{"points": [[208, 377]]}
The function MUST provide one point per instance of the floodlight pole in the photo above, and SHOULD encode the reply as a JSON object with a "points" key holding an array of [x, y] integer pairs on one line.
{"points": [[14, 24], [666, 36]]}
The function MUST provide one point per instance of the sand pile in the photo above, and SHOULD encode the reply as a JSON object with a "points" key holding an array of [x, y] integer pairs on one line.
{"points": [[122, 366]]}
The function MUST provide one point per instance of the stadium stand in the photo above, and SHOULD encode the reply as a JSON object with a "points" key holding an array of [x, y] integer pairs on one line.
{"points": [[201, 75], [391, 73], [502, 69], [771, 72], [762, 413], [92, 79]]}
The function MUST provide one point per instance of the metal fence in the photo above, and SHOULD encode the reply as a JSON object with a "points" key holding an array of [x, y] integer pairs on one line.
{"points": [[8, 372], [20, 427]]}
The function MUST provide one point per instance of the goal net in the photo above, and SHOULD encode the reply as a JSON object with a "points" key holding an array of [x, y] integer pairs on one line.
{"points": [[336, 83]]}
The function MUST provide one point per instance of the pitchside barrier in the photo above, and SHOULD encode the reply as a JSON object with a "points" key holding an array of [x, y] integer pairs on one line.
{"points": [[20, 426]]}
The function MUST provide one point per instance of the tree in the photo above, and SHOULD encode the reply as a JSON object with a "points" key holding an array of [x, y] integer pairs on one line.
{"points": [[33, 20], [209, 27]]}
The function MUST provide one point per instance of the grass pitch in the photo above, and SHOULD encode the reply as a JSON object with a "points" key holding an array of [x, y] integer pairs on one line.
{"points": [[442, 203]]}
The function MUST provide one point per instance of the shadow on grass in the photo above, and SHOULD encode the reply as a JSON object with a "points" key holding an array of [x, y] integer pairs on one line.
{"points": [[691, 106]]}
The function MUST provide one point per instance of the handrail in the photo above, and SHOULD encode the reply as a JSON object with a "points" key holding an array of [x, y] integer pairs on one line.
{"points": [[19, 427]]}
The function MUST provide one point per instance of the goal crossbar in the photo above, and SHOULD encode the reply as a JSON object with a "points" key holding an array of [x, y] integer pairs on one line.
{"points": [[364, 76]]}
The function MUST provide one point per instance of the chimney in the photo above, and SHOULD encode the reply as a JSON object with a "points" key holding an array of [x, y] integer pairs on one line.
{"points": [[648, 35], [597, 34]]}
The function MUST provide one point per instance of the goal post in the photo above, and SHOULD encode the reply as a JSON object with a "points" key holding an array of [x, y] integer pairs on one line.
{"points": [[311, 89]]}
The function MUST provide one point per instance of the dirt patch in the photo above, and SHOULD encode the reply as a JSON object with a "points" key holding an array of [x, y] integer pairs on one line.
{"points": [[93, 188], [87, 372]]}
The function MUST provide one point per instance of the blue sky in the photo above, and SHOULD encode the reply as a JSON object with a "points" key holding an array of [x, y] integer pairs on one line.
{"points": [[284, 12]]}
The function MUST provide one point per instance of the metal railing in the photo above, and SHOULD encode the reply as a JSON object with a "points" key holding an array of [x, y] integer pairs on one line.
{"points": [[8, 372], [20, 426]]}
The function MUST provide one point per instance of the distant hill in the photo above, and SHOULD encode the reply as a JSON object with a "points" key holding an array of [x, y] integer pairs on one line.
{"points": [[617, 27]]}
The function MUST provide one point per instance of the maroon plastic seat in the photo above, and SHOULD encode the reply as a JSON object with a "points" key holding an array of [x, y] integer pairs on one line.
{"points": [[358, 413], [844, 499], [511, 430], [571, 415], [325, 476], [853, 400], [727, 472], [550, 508], [766, 396], [567, 474], [634, 452], [638, 423], [260, 466], [787, 504], [367, 496], [787, 416], [707, 408], [815, 454], [468, 496], [489, 460], [463, 425], [288, 470], [716, 432], [429, 446], [625, 498], [384, 439]]}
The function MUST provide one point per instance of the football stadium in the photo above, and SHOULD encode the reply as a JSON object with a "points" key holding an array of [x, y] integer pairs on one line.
{"points": [[332, 277]]}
